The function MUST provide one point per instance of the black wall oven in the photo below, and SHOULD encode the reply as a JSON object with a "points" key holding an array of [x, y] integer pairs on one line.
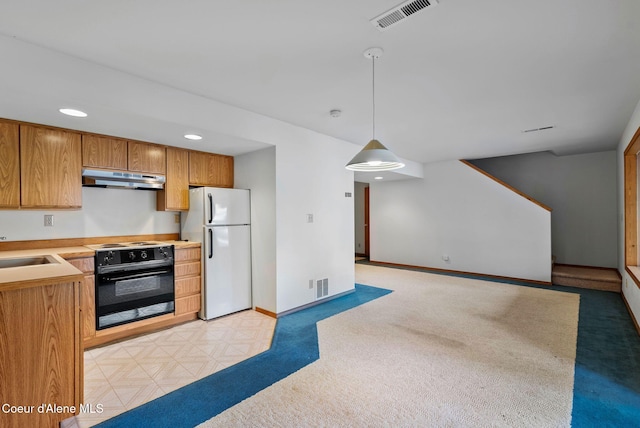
{"points": [[133, 282]]}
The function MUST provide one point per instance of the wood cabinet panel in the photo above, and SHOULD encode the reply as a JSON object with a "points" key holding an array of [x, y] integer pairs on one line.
{"points": [[104, 152], [185, 305], [187, 286], [40, 352], [87, 296], [88, 304], [85, 264], [9, 165], [145, 157], [187, 254], [50, 168], [187, 269], [207, 169], [175, 195]]}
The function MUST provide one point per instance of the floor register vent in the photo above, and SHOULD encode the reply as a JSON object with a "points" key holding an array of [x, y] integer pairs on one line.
{"points": [[400, 13], [322, 288]]}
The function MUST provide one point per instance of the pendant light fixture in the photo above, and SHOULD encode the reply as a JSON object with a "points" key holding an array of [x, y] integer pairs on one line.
{"points": [[374, 156]]}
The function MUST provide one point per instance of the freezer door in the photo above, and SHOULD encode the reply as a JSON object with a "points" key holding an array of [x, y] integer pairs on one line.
{"points": [[227, 273], [227, 206]]}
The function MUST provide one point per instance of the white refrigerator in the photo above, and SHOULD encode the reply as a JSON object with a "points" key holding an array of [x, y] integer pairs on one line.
{"points": [[221, 220]]}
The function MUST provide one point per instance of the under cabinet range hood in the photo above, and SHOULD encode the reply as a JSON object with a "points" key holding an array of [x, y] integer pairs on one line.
{"points": [[122, 179]]}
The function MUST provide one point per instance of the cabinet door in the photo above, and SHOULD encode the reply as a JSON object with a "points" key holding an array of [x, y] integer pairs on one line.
{"points": [[206, 169], [145, 157], [104, 152], [9, 165], [88, 305], [175, 195], [50, 168], [40, 353]]}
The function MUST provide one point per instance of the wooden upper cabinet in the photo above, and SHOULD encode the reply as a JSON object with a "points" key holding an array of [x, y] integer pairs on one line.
{"points": [[9, 165], [175, 195], [146, 157], [104, 152], [50, 168], [207, 169]]}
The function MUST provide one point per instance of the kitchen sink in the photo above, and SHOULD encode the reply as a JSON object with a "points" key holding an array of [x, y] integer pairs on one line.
{"points": [[26, 261]]}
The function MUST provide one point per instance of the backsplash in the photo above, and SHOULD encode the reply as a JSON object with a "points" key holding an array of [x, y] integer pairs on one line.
{"points": [[105, 212]]}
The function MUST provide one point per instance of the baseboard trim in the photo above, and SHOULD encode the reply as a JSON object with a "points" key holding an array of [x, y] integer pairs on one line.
{"points": [[317, 302], [633, 318], [459, 272], [361, 255], [266, 312]]}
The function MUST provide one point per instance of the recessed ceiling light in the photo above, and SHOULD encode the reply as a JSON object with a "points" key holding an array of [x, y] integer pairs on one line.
{"points": [[72, 112], [378, 178], [192, 137]]}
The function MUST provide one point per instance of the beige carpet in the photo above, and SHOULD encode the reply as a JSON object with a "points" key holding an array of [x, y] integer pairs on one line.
{"points": [[439, 351]]}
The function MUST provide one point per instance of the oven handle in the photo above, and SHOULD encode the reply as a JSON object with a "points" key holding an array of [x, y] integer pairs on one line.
{"points": [[130, 267], [136, 275]]}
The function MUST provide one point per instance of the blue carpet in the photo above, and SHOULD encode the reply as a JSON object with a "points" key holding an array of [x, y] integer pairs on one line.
{"points": [[606, 390], [294, 345]]}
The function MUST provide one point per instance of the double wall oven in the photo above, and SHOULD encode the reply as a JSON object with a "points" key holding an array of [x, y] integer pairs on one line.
{"points": [[134, 281]]}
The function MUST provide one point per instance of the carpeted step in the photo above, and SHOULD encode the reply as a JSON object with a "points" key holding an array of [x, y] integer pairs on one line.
{"points": [[605, 279]]}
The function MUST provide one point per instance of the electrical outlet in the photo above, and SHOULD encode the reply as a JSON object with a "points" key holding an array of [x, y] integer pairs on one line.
{"points": [[309, 218], [48, 220], [311, 284], [176, 218]]}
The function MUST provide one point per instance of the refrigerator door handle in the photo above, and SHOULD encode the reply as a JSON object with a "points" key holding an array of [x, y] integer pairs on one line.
{"points": [[210, 243], [210, 207]]}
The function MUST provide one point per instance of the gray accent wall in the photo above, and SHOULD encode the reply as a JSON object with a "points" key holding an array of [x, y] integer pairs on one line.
{"points": [[581, 190]]}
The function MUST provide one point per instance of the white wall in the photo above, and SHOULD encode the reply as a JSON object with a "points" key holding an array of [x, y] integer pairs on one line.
{"points": [[257, 171], [311, 179], [629, 288], [358, 200], [104, 212], [456, 211], [579, 189]]}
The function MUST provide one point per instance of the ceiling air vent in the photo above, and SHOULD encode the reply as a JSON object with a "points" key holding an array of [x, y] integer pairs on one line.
{"points": [[400, 13]]}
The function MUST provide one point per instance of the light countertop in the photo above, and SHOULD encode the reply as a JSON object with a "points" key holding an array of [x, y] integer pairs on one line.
{"points": [[12, 278], [58, 271]]}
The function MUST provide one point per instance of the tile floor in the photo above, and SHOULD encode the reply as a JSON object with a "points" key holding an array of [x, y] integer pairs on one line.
{"points": [[127, 374]]}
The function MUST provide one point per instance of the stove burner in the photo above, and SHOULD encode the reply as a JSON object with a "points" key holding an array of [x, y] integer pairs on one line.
{"points": [[112, 246], [142, 243]]}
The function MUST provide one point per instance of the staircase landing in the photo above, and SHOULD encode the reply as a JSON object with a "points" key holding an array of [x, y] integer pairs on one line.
{"points": [[605, 279]]}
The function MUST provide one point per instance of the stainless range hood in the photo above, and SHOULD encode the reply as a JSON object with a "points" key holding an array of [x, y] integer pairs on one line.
{"points": [[122, 179]]}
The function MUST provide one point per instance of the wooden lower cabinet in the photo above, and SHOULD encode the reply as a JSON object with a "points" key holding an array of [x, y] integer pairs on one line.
{"points": [[187, 276], [87, 296], [41, 360]]}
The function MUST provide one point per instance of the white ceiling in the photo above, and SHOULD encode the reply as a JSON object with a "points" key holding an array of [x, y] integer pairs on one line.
{"points": [[458, 80]]}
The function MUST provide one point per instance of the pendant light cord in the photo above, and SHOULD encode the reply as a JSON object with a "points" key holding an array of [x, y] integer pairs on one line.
{"points": [[373, 91]]}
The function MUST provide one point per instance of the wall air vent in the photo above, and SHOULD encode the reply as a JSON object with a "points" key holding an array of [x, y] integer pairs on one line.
{"points": [[322, 288], [400, 13]]}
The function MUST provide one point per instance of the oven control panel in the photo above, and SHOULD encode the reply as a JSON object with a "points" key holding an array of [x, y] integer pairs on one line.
{"points": [[123, 256]]}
